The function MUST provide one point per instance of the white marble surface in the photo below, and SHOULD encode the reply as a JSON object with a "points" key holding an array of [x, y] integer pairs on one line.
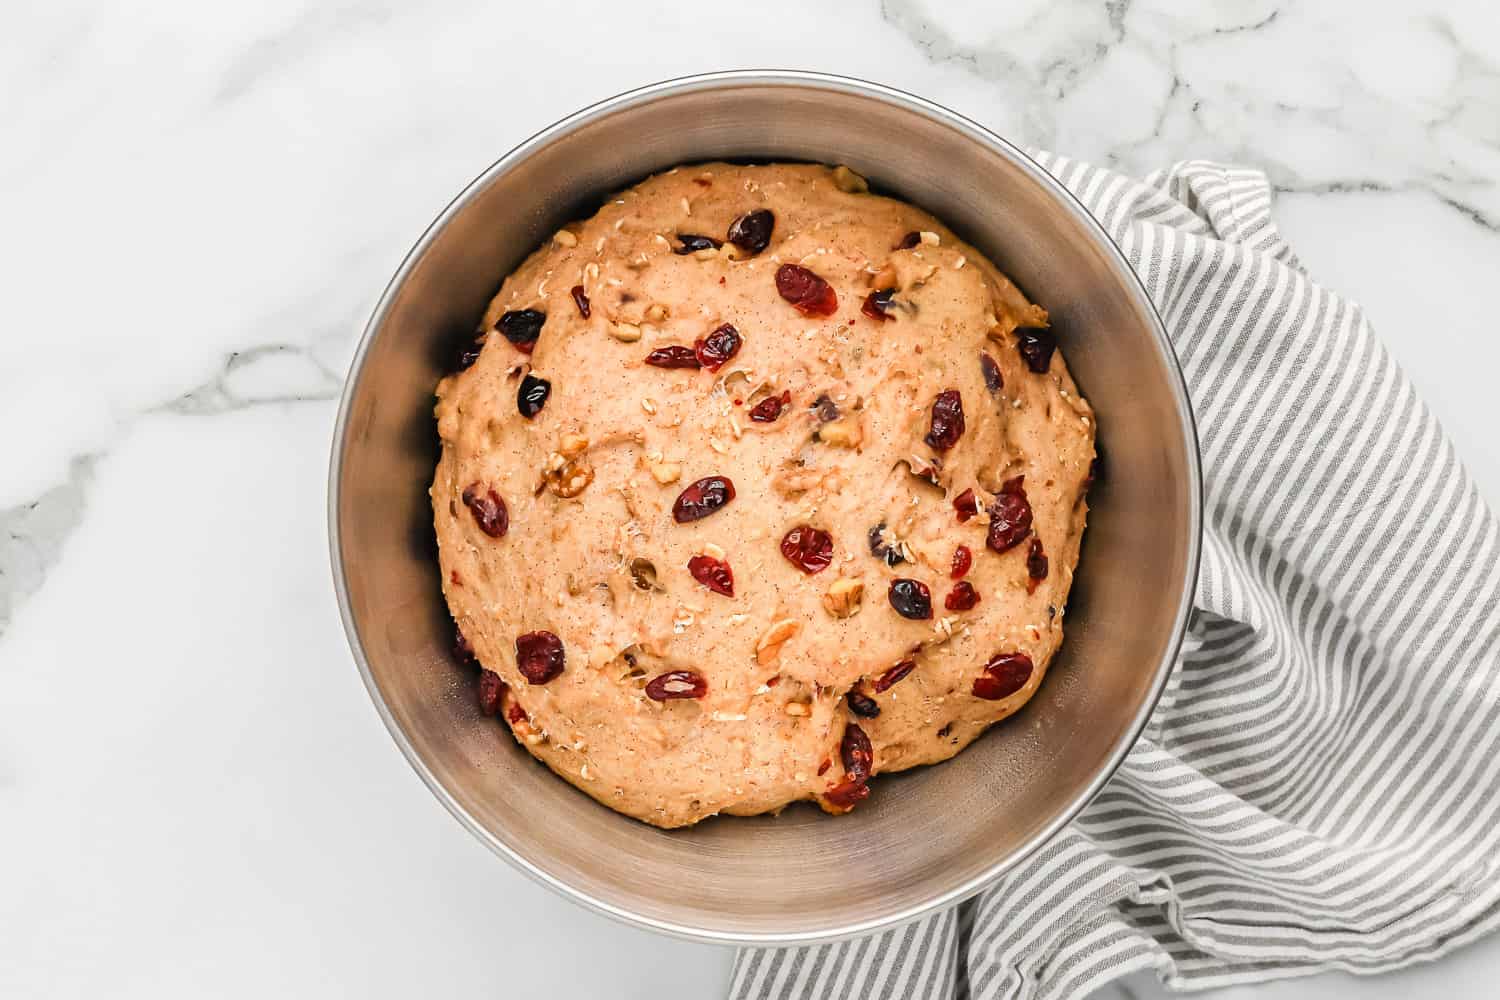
{"points": [[200, 205]]}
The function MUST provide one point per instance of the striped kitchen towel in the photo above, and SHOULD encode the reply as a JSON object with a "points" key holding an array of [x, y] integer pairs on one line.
{"points": [[1317, 788]]}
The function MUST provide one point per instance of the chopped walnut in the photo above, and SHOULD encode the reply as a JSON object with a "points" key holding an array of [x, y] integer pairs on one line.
{"points": [[564, 238], [768, 647], [848, 181], [566, 473], [625, 333], [844, 596], [842, 433]]}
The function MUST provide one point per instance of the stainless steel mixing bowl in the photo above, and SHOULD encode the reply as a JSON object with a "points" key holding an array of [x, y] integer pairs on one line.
{"points": [[925, 837]]}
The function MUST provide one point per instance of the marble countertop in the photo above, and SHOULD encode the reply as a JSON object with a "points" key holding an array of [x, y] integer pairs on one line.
{"points": [[201, 205]]}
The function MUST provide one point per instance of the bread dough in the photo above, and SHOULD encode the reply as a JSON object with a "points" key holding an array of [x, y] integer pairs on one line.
{"points": [[592, 552]]}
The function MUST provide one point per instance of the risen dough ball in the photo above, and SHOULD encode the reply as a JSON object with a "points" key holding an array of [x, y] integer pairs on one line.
{"points": [[768, 684]]}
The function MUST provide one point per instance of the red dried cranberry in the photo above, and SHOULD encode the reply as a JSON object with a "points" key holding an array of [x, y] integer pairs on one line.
{"points": [[675, 356], [1036, 564], [468, 355], [910, 240], [810, 294], [966, 504], [488, 510], [581, 301], [1010, 516], [962, 597], [539, 656], [1004, 675], [963, 558], [847, 793], [880, 550], [808, 548], [897, 673], [702, 498], [877, 304], [676, 684], [714, 574], [463, 652], [911, 599], [692, 242], [768, 409], [491, 688], [857, 754], [718, 347], [516, 713], [947, 420], [751, 232], [532, 395], [862, 705], [993, 380], [522, 327], [1036, 346], [823, 767]]}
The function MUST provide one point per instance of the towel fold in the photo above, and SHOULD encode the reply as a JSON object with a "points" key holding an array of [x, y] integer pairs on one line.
{"points": [[1317, 787]]}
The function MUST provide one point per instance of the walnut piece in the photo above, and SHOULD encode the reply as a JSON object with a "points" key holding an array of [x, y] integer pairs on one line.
{"points": [[848, 181], [844, 597], [768, 647]]}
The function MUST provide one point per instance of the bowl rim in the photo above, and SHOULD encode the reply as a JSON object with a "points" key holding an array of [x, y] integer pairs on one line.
{"points": [[905, 101]]}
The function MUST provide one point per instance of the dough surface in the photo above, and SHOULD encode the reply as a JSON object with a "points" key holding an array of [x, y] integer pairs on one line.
{"points": [[592, 552]]}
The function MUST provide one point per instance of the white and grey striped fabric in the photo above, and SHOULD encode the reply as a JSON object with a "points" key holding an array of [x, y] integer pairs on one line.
{"points": [[1317, 788]]}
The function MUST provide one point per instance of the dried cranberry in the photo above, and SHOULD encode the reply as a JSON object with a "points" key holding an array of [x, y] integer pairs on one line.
{"points": [[1036, 346], [676, 684], [491, 688], [966, 504], [963, 558], [825, 409], [751, 232], [692, 242], [522, 327], [947, 420], [718, 347], [880, 550], [468, 355], [702, 498], [714, 574], [993, 380], [1010, 516], [862, 704], [532, 395], [488, 510], [581, 301], [1004, 675], [539, 656], [910, 240], [1036, 564], [810, 294], [962, 597], [911, 599], [888, 680], [463, 652], [516, 713], [877, 304], [768, 409], [823, 767], [857, 754], [808, 548], [847, 793], [675, 356]]}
